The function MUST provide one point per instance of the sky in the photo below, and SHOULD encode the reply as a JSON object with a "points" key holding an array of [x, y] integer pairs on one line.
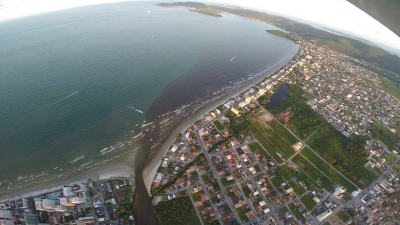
{"points": [[336, 14]]}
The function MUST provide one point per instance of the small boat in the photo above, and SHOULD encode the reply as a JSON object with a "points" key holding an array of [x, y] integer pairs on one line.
{"points": [[149, 11]]}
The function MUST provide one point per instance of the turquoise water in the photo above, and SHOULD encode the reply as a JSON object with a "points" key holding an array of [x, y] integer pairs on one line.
{"points": [[74, 84]]}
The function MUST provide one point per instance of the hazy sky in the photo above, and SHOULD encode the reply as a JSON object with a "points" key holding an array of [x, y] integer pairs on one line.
{"points": [[330, 13]]}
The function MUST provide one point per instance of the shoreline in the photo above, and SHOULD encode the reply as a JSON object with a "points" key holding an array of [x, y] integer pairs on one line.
{"points": [[112, 169], [150, 170]]}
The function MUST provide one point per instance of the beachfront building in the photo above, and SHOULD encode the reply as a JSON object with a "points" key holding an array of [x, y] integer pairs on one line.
{"points": [[78, 188], [31, 218], [77, 200], [49, 205], [6, 217], [67, 192]]}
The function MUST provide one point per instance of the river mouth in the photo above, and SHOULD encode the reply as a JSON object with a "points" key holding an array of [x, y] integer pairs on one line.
{"points": [[151, 159]]}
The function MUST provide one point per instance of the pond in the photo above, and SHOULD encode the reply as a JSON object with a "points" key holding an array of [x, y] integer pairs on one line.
{"points": [[279, 97]]}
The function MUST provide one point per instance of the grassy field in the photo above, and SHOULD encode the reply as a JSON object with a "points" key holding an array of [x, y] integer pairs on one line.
{"points": [[246, 190], [277, 181], [343, 216], [308, 201], [397, 167], [305, 121], [380, 132], [226, 182], [391, 87], [267, 147], [282, 132], [196, 197], [286, 172], [327, 169], [313, 173], [256, 146], [295, 211], [299, 190], [389, 158], [347, 155], [218, 125], [179, 211], [310, 183], [242, 215], [273, 138]]}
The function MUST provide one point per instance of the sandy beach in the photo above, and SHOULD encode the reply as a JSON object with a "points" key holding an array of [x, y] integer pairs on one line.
{"points": [[150, 170], [111, 169]]}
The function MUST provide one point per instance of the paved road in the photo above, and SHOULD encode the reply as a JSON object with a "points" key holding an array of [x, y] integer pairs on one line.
{"points": [[305, 145], [216, 176]]}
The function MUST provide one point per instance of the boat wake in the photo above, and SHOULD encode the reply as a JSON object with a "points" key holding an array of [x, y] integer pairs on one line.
{"points": [[68, 96], [232, 59], [133, 108]]}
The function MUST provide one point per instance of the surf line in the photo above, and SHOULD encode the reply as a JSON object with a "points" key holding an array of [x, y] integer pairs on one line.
{"points": [[58, 100]]}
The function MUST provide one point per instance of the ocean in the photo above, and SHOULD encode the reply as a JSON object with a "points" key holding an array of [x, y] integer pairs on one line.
{"points": [[80, 87]]}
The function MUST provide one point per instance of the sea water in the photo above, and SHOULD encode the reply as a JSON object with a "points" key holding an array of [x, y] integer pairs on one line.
{"points": [[79, 87]]}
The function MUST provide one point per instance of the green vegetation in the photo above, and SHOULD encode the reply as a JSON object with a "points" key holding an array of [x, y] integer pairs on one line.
{"points": [[343, 216], [123, 208], [282, 131], [255, 146], [347, 197], [242, 215], [280, 33], [246, 190], [218, 125], [391, 87], [208, 11], [380, 132], [243, 127], [310, 183], [272, 136], [327, 170], [347, 155], [196, 197], [313, 173], [286, 172], [226, 182], [389, 158], [277, 181], [295, 211], [299, 190], [397, 167], [305, 121], [308, 201], [267, 147], [264, 99], [179, 211]]}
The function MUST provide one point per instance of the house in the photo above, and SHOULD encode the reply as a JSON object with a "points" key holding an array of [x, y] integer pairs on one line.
{"points": [[321, 215], [366, 199]]}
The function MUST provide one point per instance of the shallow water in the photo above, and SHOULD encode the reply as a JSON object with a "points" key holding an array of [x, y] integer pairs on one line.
{"points": [[77, 85]]}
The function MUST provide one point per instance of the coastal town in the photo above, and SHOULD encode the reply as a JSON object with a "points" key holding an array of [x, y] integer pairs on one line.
{"points": [[87, 203], [315, 143]]}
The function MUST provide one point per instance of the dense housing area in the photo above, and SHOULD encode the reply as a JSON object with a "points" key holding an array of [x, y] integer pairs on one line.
{"points": [[315, 143]]}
